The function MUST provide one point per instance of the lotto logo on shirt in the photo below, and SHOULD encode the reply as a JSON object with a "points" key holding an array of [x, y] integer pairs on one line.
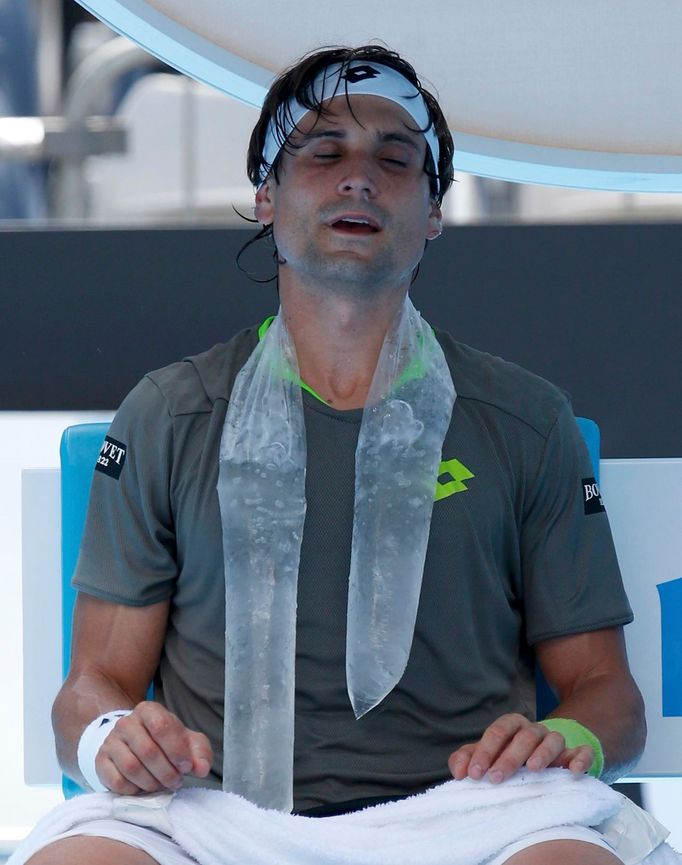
{"points": [[111, 458], [592, 497]]}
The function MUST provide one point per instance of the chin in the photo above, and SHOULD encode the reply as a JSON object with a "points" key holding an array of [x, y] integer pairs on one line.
{"points": [[358, 271]]}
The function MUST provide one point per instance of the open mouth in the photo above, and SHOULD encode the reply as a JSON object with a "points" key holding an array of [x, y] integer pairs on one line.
{"points": [[354, 225]]}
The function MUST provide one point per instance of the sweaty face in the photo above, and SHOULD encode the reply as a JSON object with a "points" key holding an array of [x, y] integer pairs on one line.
{"points": [[352, 208]]}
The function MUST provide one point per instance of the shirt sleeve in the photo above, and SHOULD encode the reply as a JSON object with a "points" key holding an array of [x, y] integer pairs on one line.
{"points": [[128, 551], [571, 578]]}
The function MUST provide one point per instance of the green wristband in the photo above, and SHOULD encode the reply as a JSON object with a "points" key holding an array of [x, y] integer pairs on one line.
{"points": [[575, 735]]}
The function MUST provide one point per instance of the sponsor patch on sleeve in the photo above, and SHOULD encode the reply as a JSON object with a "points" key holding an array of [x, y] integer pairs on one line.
{"points": [[592, 497], [111, 458]]}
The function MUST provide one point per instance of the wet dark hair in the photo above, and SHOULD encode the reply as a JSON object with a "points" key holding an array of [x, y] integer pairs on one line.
{"points": [[296, 83]]}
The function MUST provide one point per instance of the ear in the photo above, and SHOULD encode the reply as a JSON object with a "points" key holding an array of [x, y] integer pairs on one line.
{"points": [[264, 210], [434, 224]]}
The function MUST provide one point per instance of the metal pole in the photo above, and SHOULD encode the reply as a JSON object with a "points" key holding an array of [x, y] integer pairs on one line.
{"points": [[49, 57], [98, 70]]}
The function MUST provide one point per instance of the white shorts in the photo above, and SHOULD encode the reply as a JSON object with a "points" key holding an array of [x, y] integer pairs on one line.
{"points": [[167, 852]]}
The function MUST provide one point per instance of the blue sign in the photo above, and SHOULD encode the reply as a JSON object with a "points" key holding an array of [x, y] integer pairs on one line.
{"points": [[670, 596]]}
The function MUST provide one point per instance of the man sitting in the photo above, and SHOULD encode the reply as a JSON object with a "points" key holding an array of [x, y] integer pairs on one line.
{"points": [[402, 565]]}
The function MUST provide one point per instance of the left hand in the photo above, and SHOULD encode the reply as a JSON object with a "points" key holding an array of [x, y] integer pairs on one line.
{"points": [[511, 742]]}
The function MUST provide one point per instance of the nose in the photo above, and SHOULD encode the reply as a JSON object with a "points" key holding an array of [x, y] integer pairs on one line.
{"points": [[357, 178]]}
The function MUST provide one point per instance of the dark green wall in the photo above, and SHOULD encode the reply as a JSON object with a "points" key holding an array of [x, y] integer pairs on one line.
{"points": [[594, 308]]}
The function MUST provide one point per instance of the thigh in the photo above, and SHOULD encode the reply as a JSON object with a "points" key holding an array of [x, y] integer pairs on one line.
{"points": [[106, 842], [564, 852], [90, 850]]}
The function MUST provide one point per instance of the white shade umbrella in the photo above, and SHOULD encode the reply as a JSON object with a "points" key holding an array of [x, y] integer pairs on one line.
{"points": [[585, 95]]}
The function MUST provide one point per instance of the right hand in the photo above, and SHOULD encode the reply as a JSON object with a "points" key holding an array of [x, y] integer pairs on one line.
{"points": [[151, 750], [511, 742]]}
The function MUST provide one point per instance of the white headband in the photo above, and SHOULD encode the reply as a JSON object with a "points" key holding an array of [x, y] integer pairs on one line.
{"points": [[357, 78]]}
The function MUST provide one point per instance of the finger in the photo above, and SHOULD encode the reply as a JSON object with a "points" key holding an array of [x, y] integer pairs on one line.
{"points": [[138, 745], [131, 767], [493, 743], [578, 760], [202, 754], [169, 733], [113, 780], [551, 747], [458, 762], [583, 761], [525, 743]]}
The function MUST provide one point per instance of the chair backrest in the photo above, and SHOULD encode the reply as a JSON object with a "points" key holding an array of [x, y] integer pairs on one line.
{"points": [[80, 447], [590, 432], [78, 452]]}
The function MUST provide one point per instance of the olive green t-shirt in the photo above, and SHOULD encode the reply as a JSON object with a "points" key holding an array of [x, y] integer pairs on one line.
{"points": [[516, 555]]}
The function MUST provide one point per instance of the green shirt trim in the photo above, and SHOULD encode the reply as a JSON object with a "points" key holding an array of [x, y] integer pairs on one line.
{"points": [[288, 374], [415, 369]]}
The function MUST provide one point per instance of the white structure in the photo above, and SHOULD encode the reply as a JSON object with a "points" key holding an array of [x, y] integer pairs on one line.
{"points": [[534, 94]]}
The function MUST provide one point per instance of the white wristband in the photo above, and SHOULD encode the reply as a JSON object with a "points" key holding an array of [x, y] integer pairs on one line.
{"points": [[90, 743]]}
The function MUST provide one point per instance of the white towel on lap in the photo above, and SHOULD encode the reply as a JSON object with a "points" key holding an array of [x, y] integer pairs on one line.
{"points": [[456, 823]]}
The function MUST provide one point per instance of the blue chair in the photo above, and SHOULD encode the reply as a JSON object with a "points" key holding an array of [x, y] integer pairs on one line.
{"points": [[590, 432], [78, 452]]}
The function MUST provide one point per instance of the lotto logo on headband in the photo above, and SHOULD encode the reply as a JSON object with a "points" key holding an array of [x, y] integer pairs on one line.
{"points": [[359, 73]]}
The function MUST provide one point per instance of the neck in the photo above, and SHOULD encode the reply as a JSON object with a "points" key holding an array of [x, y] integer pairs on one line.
{"points": [[338, 340]]}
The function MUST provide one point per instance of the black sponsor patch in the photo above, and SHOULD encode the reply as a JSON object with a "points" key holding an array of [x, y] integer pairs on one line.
{"points": [[592, 497], [111, 457]]}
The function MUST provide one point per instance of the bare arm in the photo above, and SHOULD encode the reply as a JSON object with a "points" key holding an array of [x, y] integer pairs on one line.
{"points": [[115, 652], [590, 674]]}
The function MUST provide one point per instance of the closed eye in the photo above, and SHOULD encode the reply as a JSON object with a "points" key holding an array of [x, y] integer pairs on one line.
{"points": [[396, 155]]}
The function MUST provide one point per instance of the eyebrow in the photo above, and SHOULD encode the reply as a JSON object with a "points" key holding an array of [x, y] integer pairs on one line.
{"points": [[384, 137]]}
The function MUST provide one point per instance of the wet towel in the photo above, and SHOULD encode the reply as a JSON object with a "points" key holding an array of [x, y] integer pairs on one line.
{"points": [[456, 823]]}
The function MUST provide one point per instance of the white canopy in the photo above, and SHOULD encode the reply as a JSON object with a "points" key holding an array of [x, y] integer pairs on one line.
{"points": [[585, 94]]}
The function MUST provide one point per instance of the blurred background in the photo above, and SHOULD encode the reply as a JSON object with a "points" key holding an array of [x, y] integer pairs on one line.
{"points": [[100, 140], [95, 130]]}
